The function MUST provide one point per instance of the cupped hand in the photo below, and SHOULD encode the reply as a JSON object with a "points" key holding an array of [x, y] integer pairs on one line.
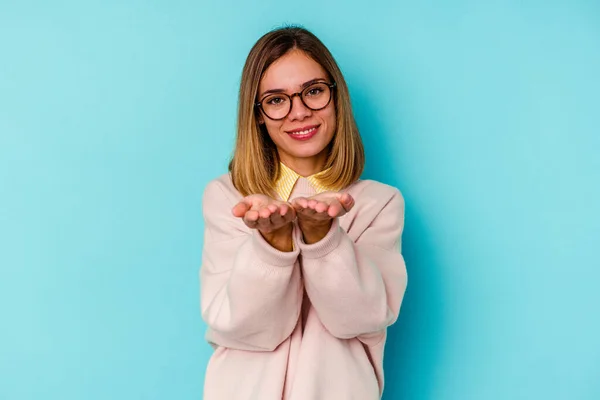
{"points": [[264, 213], [323, 207]]}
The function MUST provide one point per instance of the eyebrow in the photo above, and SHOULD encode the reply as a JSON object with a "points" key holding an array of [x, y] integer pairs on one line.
{"points": [[304, 86]]}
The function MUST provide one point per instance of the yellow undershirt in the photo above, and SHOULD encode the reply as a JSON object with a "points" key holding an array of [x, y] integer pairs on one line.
{"points": [[288, 178]]}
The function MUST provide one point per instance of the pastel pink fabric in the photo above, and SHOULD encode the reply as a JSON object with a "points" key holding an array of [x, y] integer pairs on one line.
{"points": [[308, 324]]}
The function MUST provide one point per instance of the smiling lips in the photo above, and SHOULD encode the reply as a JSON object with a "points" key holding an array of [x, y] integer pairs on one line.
{"points": [[304, 133]]}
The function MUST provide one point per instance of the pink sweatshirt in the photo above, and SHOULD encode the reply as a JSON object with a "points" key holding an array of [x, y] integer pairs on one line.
{"points": [[308, 324]]}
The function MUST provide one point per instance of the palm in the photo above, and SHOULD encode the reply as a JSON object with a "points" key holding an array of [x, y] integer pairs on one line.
{"points": [[264, 213], [323, 207]]}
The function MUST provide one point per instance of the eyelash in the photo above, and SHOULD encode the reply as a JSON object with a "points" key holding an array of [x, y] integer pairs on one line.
{"points": [[283, 98]]}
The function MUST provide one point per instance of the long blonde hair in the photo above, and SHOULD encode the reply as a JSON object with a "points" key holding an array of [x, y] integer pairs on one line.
{"points": [[254, 166]]}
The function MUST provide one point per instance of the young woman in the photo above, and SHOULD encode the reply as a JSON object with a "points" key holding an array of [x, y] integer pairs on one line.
{"points": [[302, 271]]}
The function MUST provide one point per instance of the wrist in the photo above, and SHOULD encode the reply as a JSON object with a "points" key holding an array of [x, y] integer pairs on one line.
{"points": [[323, 247], [280, 239], [313, 232]]}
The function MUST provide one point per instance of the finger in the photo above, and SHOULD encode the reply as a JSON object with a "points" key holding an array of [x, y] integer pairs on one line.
{"points": [[347, 201], [287, 212], [286, 209], [264, 224], [264, 213], [312, 203], [349, 204], [321, 207], [272, 207], [300, 203], [277, 220], [335, 210], [239, 210], [283, 209], [251, 216], [250, 219], [251, 224], [306, 212], [325, 214]]}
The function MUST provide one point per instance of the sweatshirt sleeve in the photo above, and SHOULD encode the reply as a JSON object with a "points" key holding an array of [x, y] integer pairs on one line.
{"points": [[357, 287], [250, 292]]}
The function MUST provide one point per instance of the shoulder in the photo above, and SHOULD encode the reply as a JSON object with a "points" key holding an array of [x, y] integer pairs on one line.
{"points": [[219, 197], [222, 187], [378, 207], [220, 192], [371, 192]]}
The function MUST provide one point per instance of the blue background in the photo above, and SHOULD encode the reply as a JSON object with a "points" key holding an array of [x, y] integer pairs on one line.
{"points": [[115, 114]]}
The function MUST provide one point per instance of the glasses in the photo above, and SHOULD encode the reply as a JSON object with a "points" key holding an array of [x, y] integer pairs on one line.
{"points": [[316, 97]]}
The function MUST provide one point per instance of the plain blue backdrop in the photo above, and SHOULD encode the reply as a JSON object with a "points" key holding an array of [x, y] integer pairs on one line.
{"points": [[114, 115]]}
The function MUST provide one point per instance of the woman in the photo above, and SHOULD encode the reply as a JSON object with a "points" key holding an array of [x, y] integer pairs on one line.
{"points": [[302, 271]]}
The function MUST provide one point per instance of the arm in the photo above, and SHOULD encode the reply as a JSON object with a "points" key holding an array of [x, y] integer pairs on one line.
{"points": [[357, 288], [250, 292]]}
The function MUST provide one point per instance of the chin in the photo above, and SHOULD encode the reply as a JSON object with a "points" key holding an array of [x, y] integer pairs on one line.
{"points": [[308, 152]]}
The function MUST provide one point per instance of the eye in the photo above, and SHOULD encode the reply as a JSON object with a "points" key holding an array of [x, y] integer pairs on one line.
{"points": [[316, 90], [275, 100]]}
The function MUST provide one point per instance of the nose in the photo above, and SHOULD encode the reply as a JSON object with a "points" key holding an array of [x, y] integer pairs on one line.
{"points": [[299, 111]]}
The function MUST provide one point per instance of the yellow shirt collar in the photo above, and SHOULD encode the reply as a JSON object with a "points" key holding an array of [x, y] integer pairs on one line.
{"points": [[288, 178]]}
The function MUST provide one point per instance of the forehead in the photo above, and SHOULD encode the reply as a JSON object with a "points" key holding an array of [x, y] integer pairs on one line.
{"points": [[290, 71]]}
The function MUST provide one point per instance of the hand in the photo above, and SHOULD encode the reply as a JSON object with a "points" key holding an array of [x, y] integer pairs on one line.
{"points": [[270, 217], [315, 214]]}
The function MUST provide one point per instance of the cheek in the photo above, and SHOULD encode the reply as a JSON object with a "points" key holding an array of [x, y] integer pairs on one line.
{"points": [[330, 119], [274, 129]]}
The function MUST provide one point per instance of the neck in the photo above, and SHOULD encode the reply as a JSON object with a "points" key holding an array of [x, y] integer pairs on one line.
{"points": [[305, 166]]}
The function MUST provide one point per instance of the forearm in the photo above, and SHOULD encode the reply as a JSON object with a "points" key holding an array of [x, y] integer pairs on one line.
{"points": [[355, 289], [251, 293]]}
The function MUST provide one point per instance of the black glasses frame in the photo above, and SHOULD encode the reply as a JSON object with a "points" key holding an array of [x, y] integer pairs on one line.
{"points": [[332, 87]]}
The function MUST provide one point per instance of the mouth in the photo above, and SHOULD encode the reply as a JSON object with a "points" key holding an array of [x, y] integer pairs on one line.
{"points": [[304, 133]]}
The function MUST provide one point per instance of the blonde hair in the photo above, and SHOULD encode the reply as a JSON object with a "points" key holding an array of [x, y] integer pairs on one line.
{"points": [[254, 166]]}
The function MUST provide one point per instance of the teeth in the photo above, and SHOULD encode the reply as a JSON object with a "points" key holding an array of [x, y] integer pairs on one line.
{"points": [[304, 132]]}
